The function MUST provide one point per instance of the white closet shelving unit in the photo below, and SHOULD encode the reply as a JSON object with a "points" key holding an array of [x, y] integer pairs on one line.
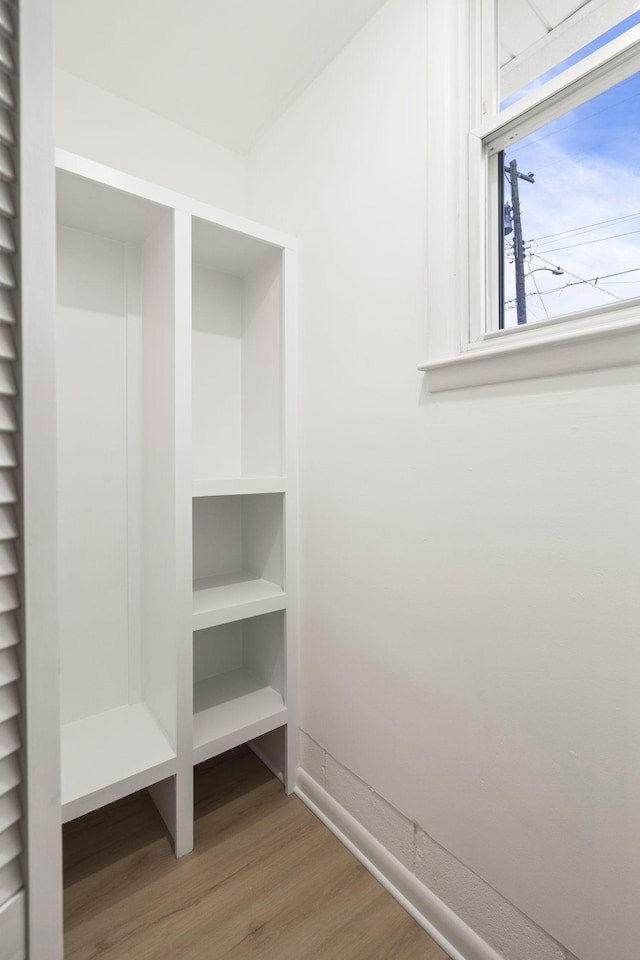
{"points": [[177, 481]]}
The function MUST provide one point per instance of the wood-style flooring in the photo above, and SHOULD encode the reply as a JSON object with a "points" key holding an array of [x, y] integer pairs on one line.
{"points": [[266, 880]]}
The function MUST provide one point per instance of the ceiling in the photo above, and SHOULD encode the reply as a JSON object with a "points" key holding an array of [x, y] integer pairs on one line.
{"points": [[223, 68]]}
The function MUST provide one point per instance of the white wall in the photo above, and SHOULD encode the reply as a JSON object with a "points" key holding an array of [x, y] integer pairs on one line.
{"points": [[469, 561], [96, 124]]}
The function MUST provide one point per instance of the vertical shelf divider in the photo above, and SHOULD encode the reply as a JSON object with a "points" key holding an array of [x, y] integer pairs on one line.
{"points": [[174, 797], [183, 429], [290, 394]]}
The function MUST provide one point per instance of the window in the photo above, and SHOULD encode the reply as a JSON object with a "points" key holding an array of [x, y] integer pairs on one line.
{"points": [[569, 190], [571, 211], [549, 235]]}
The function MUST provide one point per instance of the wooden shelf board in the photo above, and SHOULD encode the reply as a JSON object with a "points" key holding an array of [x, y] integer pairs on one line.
{"points": [[234, 486], [230, 709], [224, 599], [109, 755]]}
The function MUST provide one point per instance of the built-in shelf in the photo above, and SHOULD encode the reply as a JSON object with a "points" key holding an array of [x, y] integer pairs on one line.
{"points": [[109, 755], [230, 709], [218, 600], [232, 486], [184, 494]]}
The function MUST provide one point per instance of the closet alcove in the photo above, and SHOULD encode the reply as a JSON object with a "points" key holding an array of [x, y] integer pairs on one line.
{"points": [[177, 517]]}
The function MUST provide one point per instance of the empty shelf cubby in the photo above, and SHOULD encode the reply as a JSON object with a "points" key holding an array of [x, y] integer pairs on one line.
{"points": [[238, 344], [238, 564], [239, 690]]}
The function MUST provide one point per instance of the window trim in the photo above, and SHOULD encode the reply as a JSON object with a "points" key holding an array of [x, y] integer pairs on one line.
{"points": [[586, 79], [466, 353], [550, 50]]}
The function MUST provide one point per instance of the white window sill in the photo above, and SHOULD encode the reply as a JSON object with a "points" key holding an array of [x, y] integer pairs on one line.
{"points": [[552, 352]]}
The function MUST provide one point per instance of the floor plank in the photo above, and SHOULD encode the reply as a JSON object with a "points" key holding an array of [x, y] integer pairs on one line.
{"points": [[266, 880]]}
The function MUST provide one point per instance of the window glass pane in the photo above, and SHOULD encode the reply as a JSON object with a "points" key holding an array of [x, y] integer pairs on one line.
{"points": [[536, 46], [571, 210]]}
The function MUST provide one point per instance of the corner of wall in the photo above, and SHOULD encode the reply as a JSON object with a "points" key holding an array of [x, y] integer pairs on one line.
{"points": [[97, 124]]}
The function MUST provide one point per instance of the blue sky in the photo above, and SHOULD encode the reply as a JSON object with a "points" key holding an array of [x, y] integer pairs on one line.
{"points": [[587, 172]]}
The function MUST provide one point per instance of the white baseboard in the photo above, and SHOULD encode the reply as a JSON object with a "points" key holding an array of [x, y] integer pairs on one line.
{"points": [[13, 942], [454, 936]]}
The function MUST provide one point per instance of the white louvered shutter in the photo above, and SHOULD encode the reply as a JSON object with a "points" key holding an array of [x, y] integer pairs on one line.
{"points": [[11, 876]]}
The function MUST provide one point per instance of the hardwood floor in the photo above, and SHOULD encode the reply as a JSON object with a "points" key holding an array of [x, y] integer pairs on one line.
{"points": [[266, 880]]}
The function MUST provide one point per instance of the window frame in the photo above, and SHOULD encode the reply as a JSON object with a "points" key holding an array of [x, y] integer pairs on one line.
{"points": [[471, 350]]}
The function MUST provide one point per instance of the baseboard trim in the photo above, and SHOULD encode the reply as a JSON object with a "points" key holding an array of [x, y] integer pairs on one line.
{"points": [[454, 936]]}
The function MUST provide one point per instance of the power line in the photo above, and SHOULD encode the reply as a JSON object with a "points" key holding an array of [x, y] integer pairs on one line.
{"points": [[550, 163], [510, 304], [586, 243], [582, 279], [605, 276], [585, 228], [618, 273], [532, 293]]}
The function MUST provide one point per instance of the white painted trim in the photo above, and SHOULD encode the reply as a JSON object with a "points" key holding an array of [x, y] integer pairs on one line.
{"points": [[445, 927], [481, 284], [237, 486], [37, 228], [583, 26], [449, 31], [133, 302], [117, 790], [183, 534], [291, 509], [238, 736], [90, 170], [462, 351], [572, 351], [484, 26], [586, 79], [13, 945]]}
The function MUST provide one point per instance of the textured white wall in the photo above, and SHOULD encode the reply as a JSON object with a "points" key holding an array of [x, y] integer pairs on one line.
{"points": [[98, 125], [469, 561], [491, 916]]}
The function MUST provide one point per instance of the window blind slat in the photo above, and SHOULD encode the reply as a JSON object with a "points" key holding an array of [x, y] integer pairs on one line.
{"points": [[12, 894]]}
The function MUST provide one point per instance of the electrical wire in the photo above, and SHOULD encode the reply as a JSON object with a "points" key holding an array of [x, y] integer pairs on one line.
{"points": [[586, 243], [584, 229], [582, 279], [618, 273]]}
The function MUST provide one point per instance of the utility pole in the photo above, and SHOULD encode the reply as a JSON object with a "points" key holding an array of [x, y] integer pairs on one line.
{"points": [[518, 246]]}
